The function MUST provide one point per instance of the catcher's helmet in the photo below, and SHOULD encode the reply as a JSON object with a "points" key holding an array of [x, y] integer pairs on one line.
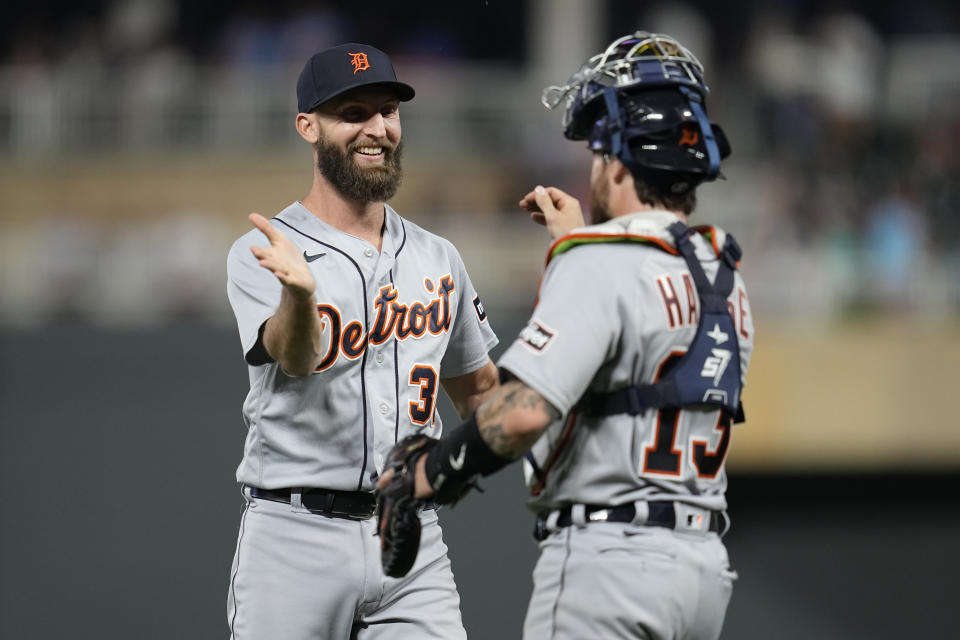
{"points": [[643, 100]]}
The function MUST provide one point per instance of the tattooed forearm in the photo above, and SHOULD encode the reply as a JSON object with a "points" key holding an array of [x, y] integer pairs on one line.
{"points": [[501, 444], [512, 419]]}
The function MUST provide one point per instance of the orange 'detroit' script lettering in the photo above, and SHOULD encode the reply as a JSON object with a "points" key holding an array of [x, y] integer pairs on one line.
{"points": [[392, 319]]}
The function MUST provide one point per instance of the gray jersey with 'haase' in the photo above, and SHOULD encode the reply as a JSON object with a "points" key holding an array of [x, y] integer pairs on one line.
{"points": [[611, 315], [394, 322]]}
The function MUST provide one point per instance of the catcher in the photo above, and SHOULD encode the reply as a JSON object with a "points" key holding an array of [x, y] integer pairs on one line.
{"points": [[622, 390]]}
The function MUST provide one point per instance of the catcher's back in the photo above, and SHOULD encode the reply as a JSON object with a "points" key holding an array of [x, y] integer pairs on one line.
{"points": [[610, 316]]}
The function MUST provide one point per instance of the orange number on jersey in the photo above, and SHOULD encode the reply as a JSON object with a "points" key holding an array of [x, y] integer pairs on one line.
{"points": [[425, 377], [664, 458], [709, 463]]}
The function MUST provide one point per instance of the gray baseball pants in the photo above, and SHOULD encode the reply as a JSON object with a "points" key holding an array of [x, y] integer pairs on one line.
{"points": [[297, 575], [613, 580]]}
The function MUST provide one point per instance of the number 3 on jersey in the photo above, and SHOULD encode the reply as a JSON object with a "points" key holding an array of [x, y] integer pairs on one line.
{"points": [[664, 458], [425, 377]]}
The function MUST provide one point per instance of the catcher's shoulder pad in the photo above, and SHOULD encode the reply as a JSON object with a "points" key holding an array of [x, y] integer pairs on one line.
{"points": [[651, 228]]}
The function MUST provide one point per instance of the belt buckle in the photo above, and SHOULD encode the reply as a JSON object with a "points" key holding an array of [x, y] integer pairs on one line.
{"points": [[366, 515], [330, 506]]}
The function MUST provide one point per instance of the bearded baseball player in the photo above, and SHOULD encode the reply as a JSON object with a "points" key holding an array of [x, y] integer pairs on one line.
{"points": [[622, 390], [350, 319]]}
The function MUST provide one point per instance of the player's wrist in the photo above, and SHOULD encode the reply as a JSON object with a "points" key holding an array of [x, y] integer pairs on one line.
{"points": [[422, 488], [457, 459], [301, 296]]}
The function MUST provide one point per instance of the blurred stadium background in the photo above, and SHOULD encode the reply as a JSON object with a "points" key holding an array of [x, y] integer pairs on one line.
{"points": [[136, 136]]}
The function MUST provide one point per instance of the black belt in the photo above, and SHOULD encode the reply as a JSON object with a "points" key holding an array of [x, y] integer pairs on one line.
{"points": [[661, 514], [355, 505]]}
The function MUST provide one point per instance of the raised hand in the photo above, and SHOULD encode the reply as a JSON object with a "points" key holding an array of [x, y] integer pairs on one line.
{"points": [[558, 211], [283, 258]]}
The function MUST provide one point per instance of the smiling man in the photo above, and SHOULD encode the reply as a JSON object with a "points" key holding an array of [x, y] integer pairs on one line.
{"points": [[350, 319]]}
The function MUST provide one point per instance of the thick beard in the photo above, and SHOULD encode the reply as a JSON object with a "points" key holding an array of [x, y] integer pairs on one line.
{"points": [[373, 184], [599, 202]]}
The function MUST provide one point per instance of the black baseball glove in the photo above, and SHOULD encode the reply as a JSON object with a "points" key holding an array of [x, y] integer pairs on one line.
{"points": [[398, 522]]}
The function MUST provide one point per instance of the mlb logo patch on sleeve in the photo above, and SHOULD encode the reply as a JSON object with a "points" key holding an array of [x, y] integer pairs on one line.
{"points": [[481, 312], [536, 336]]}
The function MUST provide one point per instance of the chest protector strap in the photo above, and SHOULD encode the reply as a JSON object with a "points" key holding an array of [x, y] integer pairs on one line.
{"points": [[708, 374]]}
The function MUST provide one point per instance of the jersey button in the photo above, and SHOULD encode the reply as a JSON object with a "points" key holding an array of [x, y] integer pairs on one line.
{"points": [[384, 409], [368, 253], [379, 358]]}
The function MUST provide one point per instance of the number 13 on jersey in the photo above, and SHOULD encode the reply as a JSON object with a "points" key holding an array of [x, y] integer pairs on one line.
{"points": [[664, 457]]}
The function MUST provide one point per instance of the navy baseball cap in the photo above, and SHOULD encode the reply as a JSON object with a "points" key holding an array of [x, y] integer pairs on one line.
{"points": [[338, 69]]}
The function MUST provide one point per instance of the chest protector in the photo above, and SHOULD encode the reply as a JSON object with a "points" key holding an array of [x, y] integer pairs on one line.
{"points": [[709, 373]]}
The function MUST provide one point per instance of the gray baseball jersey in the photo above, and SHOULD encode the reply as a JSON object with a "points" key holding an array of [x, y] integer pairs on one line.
{"points": [[613, 315], [394, 321]]}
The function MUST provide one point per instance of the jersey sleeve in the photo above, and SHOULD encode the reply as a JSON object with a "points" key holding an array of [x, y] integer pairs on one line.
{"points": [[254, 294], [471, 336], [574, 329]]}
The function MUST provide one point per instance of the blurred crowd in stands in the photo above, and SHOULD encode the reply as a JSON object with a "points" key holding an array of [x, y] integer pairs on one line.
{"points": [[845, 120]]}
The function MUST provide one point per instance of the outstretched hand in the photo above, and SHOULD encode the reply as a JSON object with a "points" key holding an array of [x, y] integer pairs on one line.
{"points": [[283, 258], [558, 211]]}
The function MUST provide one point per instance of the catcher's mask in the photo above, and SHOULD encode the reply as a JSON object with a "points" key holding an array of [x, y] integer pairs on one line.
{"points": [[643, 100]]}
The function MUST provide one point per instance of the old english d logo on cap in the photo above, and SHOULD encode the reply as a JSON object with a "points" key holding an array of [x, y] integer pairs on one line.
{"points": [[689, 136], [359, 62]]}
